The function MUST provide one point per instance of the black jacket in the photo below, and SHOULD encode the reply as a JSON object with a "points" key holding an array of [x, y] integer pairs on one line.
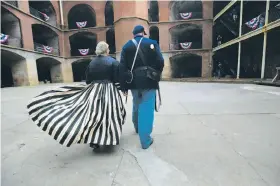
{"points": [[103, 68], [153, 57]]}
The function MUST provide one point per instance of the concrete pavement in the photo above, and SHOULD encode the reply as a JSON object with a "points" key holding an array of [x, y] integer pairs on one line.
{"points": [[205, 134]]}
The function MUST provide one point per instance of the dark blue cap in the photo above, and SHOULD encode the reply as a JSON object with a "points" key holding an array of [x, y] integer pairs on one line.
{"points": [[138, 29]]}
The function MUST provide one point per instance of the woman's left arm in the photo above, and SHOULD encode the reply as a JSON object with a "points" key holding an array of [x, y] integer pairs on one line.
{"points": [[115, 74]]}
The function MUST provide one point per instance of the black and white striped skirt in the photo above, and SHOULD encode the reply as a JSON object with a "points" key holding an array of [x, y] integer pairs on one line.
{"points": [[85, 114]]}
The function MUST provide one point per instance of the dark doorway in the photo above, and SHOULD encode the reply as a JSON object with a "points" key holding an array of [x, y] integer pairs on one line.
{"points": [[272, 53], [186, 66], [225, 62], [153, 11], [10, 29], [110, 39], [13, 69], [109, 13], [83, 43], [186, 36], [184, 10], [251, 57], [43, 10], [49, 70], [6, 76], [154, 33], [81, 16], [79, 69], [45, 39]]}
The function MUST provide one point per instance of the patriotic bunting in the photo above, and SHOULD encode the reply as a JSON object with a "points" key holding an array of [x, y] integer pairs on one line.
{"points": [[253, 23], [81, 24], [84, 52], [47, 49], [186, 45], [4, 38], [186, 15], [46, 17]]}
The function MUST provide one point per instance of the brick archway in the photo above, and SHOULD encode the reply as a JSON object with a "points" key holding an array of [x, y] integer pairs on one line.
{"points": [[185, 36], [109, 13], [43, 10], [49, 69], [45, 39], [83, 40], [13, 69], [11, 28], [79, 69], [185, 10], [186, 65], [81, 16]]}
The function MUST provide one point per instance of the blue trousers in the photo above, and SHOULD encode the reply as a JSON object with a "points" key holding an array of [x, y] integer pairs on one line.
{"points": [[143, 114]]}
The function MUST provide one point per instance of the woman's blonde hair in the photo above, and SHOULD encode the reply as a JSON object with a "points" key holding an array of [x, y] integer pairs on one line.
{"points": [[101, 48]]}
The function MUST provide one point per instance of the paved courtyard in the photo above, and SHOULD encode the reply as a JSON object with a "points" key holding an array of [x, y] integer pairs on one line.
{"points": [[205, 135]]}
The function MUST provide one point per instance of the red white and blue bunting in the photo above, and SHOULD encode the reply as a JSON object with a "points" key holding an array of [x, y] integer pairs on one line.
{"points": [[84, 52], [187, 15], [186, 45], [4, 38], [81, 24], [46, 17], [253, 23], [47, 49]]}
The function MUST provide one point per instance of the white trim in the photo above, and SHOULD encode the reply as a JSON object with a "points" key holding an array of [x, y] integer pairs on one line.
{"points": [[61, 12], [229, 5], [263, 29]]}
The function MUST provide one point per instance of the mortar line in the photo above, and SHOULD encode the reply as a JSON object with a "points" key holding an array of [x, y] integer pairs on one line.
{"points": [[119, 164], [235, 151], [138, 165]]}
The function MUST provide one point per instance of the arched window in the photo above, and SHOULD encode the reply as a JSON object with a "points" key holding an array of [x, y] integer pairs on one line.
{"points": [[153, 11], [81, 16], [79, 69], [43, 10], [13, 69], [186, 65], [109, 13], [45, 39], [154, 33], [83, 43], [186, 36], [10, 29], [184, 10], [49, 70], [110, 39]]}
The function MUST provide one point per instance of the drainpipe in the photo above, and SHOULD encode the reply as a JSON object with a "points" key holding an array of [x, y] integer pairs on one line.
{"points": [[61, 13]]}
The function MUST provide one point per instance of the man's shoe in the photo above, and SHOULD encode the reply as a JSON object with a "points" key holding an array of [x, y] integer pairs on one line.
{"points": [[152, 141]]}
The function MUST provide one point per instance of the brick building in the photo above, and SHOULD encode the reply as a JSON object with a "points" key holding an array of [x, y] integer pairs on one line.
{"points": [[55, 40]]}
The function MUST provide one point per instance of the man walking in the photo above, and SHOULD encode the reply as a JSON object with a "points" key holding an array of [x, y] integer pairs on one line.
{"points": [[141, 66]]}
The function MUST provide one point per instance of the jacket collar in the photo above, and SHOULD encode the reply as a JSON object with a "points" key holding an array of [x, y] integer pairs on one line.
{"points": [[138, 36]]}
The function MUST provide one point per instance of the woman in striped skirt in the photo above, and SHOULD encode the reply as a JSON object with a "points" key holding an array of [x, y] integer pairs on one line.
{"points": [[90, 114]]}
